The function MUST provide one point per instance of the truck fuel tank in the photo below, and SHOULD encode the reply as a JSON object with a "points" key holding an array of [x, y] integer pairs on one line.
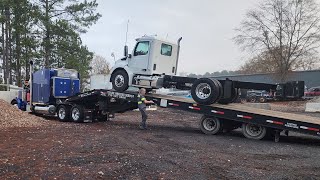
{"points": [[48, 110]]}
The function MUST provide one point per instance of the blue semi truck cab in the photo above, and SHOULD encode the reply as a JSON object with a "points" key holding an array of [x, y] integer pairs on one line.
{"points": [[49, 87]]}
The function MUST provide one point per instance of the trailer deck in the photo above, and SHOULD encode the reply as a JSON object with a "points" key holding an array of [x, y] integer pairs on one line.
{"points": [[242, 113], [111, 102]]}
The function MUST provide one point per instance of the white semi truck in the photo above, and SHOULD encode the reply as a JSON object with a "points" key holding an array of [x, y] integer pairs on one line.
{"points": [[153, 64]]}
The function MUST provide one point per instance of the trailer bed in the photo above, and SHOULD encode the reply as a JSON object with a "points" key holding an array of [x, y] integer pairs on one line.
{"points": [[231, 112], [242, 113]]}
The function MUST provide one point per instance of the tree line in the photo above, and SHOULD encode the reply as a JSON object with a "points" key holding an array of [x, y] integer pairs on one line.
{"points": [[46, 32]]}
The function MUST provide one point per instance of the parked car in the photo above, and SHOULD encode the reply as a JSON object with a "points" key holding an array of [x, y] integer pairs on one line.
{"points": [[258, 96], [314, 91]]}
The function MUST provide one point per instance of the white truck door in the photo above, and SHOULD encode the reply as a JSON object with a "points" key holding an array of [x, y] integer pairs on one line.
{"points": [[140, 58]]}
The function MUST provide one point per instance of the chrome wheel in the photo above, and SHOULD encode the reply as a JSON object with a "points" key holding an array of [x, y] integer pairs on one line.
{"points": [[119, 80], [203, 91], [75, 114], [62, 113]]}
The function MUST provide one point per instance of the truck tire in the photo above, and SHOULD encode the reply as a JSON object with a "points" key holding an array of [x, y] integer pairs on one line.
{"points": [[206, 91], [120, 81], [77, 113], [15, 103], [252, 131], [262, 100], [63, 113], [210, 125], [233, 98]]}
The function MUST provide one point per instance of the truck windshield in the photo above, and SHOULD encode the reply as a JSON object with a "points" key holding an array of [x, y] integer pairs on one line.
{"points": [[142, 48]]}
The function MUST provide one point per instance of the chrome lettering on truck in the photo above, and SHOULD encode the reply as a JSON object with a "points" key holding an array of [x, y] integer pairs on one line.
{"points": [[292, 125]]}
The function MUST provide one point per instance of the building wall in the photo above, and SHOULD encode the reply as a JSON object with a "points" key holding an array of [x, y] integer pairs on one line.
{"points": [[311, 78]]}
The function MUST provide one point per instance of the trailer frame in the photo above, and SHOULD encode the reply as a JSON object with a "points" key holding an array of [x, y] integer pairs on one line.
{"points": [[109, 102]]}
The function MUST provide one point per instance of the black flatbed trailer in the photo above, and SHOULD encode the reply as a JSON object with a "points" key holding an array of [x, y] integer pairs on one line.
{"points": [[255, 123]]}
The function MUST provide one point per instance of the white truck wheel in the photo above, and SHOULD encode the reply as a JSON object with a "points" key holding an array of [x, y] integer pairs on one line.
{"points": [[206, 91], [120, 81]]}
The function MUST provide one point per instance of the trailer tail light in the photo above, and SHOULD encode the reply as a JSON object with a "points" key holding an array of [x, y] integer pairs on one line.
{"points": [[309, 128], [172, 104], [217, 112], [244, 117], [274, 122], [194, 108]]}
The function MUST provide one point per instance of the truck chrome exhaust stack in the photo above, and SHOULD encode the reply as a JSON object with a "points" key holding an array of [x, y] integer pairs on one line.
{"points": [[178, 53]]}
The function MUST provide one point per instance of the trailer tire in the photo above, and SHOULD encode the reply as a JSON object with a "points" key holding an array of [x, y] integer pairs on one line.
{"points": [[120, 80], [210, 125], [252, 131], [63, 113], [206, 91], [77, 113]]}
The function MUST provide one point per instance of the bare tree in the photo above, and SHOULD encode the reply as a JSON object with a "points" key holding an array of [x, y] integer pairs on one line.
{"points": [[100, 65], [289, 30], [262, 63]]}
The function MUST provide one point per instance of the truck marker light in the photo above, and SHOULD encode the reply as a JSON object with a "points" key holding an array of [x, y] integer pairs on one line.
{"points": [[194, 108], [244, 117], [308, 128], [274, 122], [217, 112], [172, 104]]}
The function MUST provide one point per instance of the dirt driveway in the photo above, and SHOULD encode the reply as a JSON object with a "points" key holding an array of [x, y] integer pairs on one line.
{"points": [[173, 148]]}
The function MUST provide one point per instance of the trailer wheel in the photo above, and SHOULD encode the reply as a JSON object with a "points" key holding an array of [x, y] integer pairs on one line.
{"points": [[77, 113], [210, 125], [63, 113], [253, 131], [120, 81], [206, 91]]}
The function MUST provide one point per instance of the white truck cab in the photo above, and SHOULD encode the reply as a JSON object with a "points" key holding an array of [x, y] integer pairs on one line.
{"points": [[153, 64], [150, 60]]}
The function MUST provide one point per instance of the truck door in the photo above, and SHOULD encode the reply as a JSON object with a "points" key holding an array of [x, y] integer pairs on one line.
{"points": [[140, 58]]}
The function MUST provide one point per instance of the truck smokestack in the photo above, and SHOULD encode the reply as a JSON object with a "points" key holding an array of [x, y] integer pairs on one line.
{"points": [[178, 53]]}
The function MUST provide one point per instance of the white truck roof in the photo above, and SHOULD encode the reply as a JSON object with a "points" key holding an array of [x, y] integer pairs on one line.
{"points": [[151, 38]]}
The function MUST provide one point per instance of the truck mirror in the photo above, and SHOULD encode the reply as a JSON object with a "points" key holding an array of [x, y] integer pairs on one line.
{"points": [[125, 51]]}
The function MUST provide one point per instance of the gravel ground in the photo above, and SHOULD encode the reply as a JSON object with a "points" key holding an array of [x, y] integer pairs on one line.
{"points": [[11, 116], [172, 148]]}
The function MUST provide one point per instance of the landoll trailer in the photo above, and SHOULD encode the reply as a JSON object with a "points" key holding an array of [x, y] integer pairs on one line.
{"points": [[217, 118]]}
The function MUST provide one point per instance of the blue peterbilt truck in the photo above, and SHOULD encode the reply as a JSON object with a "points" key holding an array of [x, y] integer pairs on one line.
{"points": [[49, 87]]}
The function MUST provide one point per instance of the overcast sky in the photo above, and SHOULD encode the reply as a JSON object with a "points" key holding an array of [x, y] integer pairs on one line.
{"points": [[207, 28]]}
